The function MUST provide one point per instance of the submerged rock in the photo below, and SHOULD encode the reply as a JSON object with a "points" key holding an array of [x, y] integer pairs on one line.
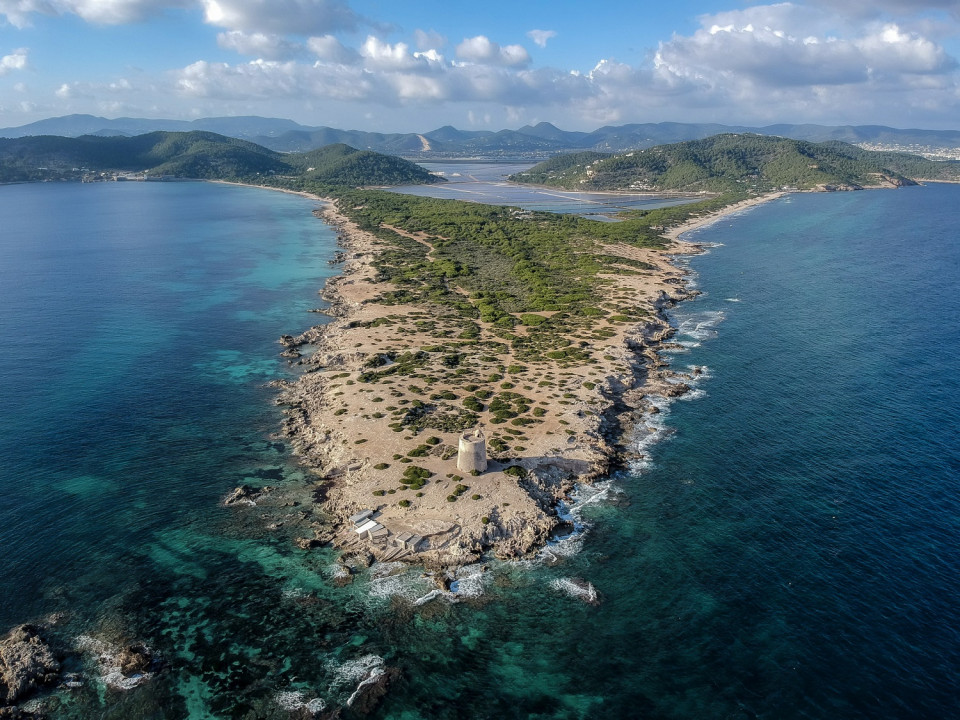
{"points": [[26, 663]]}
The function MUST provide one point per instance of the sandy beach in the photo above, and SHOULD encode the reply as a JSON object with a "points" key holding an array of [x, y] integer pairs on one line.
{"points": [[674, 233], [357, 430]]}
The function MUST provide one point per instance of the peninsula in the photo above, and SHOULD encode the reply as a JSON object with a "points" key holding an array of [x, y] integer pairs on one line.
{"points": [[542, 330], [539, 331]]}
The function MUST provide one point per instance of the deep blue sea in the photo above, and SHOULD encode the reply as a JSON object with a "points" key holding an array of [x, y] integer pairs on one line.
{"points": [[787, 548]]}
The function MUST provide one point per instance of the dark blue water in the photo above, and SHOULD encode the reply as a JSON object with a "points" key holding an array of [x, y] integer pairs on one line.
{"points": [[819, 476], [138, 330], [788, 549]]}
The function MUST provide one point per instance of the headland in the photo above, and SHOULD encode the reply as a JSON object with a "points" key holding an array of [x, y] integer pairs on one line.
{"points": [[388, 388]]}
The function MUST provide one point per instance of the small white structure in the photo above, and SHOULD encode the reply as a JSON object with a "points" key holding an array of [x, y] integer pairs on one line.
{"points": [[472, 453]]}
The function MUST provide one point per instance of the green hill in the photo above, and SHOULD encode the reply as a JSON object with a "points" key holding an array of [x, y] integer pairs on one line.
{"points": [[737, 163], [343, 165], [197, 155]]}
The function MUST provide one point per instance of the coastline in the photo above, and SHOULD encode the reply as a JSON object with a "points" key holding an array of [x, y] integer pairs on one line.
{"points": [[360, 434], [675, 232]]}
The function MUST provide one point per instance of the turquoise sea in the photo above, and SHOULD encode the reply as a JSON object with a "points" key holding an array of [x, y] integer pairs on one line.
{"points": [[787, 547]]}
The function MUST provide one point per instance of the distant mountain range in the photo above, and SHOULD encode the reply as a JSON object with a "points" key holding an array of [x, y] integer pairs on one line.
{"points": [[541, 140]]}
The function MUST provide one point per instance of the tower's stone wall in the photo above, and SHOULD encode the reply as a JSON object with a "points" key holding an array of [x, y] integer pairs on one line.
{"points": [[472, 453]]}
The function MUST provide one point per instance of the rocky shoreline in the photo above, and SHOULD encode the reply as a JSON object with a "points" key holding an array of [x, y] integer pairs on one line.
{"points": [[345, 427]]}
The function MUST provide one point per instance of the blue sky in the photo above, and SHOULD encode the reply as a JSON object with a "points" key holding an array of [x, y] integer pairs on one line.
{"points": [[413, 66]]}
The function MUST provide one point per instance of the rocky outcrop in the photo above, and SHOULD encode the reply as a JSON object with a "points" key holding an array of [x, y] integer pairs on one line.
{"points": [[366, 698], [134, 660], [26, 663], [246, 495]]}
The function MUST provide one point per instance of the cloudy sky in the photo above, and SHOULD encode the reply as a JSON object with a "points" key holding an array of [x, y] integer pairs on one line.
{"points": [[419, 64]]}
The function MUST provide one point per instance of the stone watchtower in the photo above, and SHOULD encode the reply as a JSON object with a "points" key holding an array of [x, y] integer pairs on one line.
{"points": [[472, 454]]}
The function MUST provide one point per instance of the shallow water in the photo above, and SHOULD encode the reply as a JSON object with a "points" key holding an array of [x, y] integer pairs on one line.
{"points": [[786, 549], [486, 183]]}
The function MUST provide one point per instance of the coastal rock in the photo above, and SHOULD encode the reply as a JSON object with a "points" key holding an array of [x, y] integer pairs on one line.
{"points": [[360, 559], [442, 581], [306, 543], [26, 663], [366, 698], [134, 660], [246, 495], [122, 667], [675, 389]]}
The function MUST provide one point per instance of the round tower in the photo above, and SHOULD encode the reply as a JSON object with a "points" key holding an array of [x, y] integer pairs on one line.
{"points": [[472, 453]]}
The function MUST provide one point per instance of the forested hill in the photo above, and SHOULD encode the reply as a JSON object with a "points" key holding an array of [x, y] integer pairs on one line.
{"points": [[197, 155], [735, 162]]}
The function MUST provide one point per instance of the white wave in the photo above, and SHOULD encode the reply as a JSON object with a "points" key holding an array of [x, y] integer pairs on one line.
{"points": [[388, 568], [430, 596], [353, 671], [575, 588], [732, 299], [336, 571], [106, 657], [654, 429], [291, 700], [409, 586], [700, 326], [572, 512], [374, 674], [470, 582], [556, 550], [362, 671]]}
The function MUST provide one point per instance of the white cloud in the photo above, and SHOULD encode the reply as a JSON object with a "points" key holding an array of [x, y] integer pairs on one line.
{"points": [[302, 17], [327, 48], [874, 8], [481, 49], [783, 46], [540, 37], [298, 17], [105, 12], [379, 54], [893, 50], [272, 47], [808, 60], [17, 60]]}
